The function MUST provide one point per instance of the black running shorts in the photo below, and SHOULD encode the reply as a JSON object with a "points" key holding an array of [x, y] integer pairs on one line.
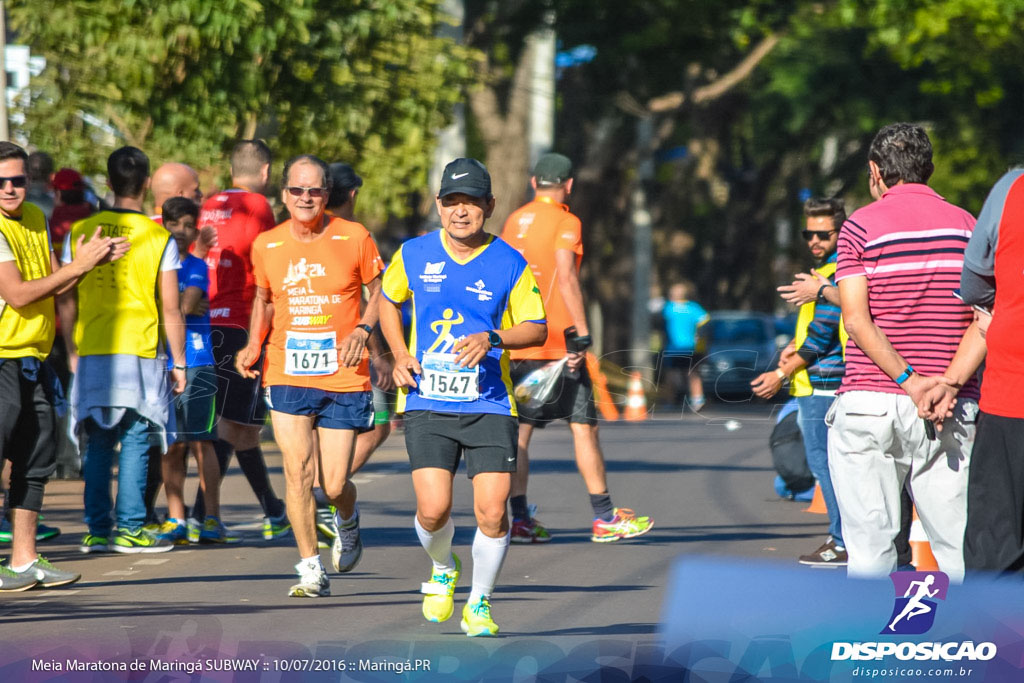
{"points": [[439, 440], [238, 398]]}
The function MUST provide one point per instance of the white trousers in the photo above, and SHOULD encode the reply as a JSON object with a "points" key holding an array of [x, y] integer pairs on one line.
{"points": [[876, 440]]}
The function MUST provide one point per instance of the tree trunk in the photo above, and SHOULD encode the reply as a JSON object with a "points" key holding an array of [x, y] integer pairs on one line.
{"points": [[505, 137]]}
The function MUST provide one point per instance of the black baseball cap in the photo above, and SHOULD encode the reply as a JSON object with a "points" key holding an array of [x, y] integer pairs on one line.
{"points": [[343, 180], [465, 176], [552, 169]]}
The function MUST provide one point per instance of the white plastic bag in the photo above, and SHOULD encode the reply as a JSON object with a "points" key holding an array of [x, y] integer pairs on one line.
{"points": [[541, 385]]}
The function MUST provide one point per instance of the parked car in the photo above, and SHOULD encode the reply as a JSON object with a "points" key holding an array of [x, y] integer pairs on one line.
{"points": [[740, 345]]}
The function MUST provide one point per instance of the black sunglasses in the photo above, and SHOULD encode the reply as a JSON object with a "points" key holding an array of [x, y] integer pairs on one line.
{"points": [[16, 180], [822, 235], [314, 192]]}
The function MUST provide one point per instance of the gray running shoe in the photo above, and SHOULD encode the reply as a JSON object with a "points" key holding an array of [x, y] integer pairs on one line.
{"points": [[347, 549], [313, 582], [47, 575], [12, 582]]}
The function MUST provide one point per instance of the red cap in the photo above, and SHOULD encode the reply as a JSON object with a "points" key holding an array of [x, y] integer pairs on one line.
{"points": [[68, 179]]}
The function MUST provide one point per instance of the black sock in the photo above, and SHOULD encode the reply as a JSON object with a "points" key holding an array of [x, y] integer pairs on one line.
{"points": [[602, 505], [154, 480], [255, 470], [223, 451], [519, 508]]}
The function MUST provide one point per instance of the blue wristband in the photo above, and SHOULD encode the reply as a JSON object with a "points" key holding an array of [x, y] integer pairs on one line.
{"points": [[906, 374]]}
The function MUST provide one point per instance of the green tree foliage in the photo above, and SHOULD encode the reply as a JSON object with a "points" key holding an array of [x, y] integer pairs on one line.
{"points": [[746, 149], [365, 81]]}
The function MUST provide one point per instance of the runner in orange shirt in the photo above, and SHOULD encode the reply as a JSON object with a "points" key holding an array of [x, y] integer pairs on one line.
{"points": [[548, 235], [309, 272]]}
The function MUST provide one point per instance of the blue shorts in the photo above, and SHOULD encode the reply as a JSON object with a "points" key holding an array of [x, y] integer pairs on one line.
{"points": [[345, 410]]}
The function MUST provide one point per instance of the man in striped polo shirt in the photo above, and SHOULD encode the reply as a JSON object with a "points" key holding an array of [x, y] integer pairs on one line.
{"points": [[899, 261]]}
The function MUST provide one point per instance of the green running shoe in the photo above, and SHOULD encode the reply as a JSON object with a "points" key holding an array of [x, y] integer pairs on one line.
{"points": [[438, 600], [476, 619], [140, 541], [276, 527], [625, 524], [94, 544]]}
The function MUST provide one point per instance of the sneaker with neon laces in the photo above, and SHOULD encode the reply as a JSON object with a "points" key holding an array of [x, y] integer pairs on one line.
{"points": [[325, 524], [476, 619], [625, 524], [528, 531], [214, 531], [438, 600], [94, 544], [13, 582], [313, 582], [347, 549], [48, 576], [195, 527], [276, 527], [140, 541], [326, 529], [175, 531]]}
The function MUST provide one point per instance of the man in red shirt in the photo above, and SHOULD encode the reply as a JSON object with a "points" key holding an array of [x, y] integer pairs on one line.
{"points": [[993, 261], [231, 220], [548, 236]]}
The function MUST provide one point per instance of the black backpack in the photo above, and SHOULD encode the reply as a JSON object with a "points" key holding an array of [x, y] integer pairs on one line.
{"points": [[788, 455]]}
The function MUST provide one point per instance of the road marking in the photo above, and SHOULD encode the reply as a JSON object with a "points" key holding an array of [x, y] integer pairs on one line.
{"points": [[153, 561], [50, 594], [121, 572]]}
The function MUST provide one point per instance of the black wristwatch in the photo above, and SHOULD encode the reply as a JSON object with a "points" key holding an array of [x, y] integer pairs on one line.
{"points": [[494, 338], [821, 294], [365, 328]]}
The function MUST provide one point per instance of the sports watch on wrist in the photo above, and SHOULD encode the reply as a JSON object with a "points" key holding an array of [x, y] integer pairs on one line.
{"points": [[365, 328], [821, 294], [494, 338]]}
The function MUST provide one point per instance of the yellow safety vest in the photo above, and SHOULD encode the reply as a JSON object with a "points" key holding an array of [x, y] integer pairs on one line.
{"points": [[800, 382], [117, 302], [28, 331]]}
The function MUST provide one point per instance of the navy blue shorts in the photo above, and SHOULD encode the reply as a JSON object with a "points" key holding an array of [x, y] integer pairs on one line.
{"points": [[346, 410]]}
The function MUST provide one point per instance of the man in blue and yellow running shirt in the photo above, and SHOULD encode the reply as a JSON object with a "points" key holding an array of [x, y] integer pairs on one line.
{"points": [[473, 298]]}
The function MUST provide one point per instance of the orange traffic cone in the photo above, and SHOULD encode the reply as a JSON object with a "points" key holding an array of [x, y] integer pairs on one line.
{"points": [[636, 404], [923, 559], [817, 505]]}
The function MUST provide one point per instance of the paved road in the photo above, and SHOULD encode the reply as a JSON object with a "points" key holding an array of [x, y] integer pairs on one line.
{"points": [[706, 480]]}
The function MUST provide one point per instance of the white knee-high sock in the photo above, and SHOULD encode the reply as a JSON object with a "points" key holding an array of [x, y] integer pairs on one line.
{"points": [[438, 544], [488, 556]]}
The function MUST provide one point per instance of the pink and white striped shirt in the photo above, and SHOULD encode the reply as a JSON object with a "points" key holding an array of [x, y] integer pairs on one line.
{"points": [[910, 246]]}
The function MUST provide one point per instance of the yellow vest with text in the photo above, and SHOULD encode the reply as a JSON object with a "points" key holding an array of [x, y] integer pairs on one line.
{"points": [[28, 331], [118, 309], [800, 382]]}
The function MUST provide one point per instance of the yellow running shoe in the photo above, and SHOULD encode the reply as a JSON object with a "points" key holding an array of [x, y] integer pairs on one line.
{"points": [[476, 619], [438, 603]]}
